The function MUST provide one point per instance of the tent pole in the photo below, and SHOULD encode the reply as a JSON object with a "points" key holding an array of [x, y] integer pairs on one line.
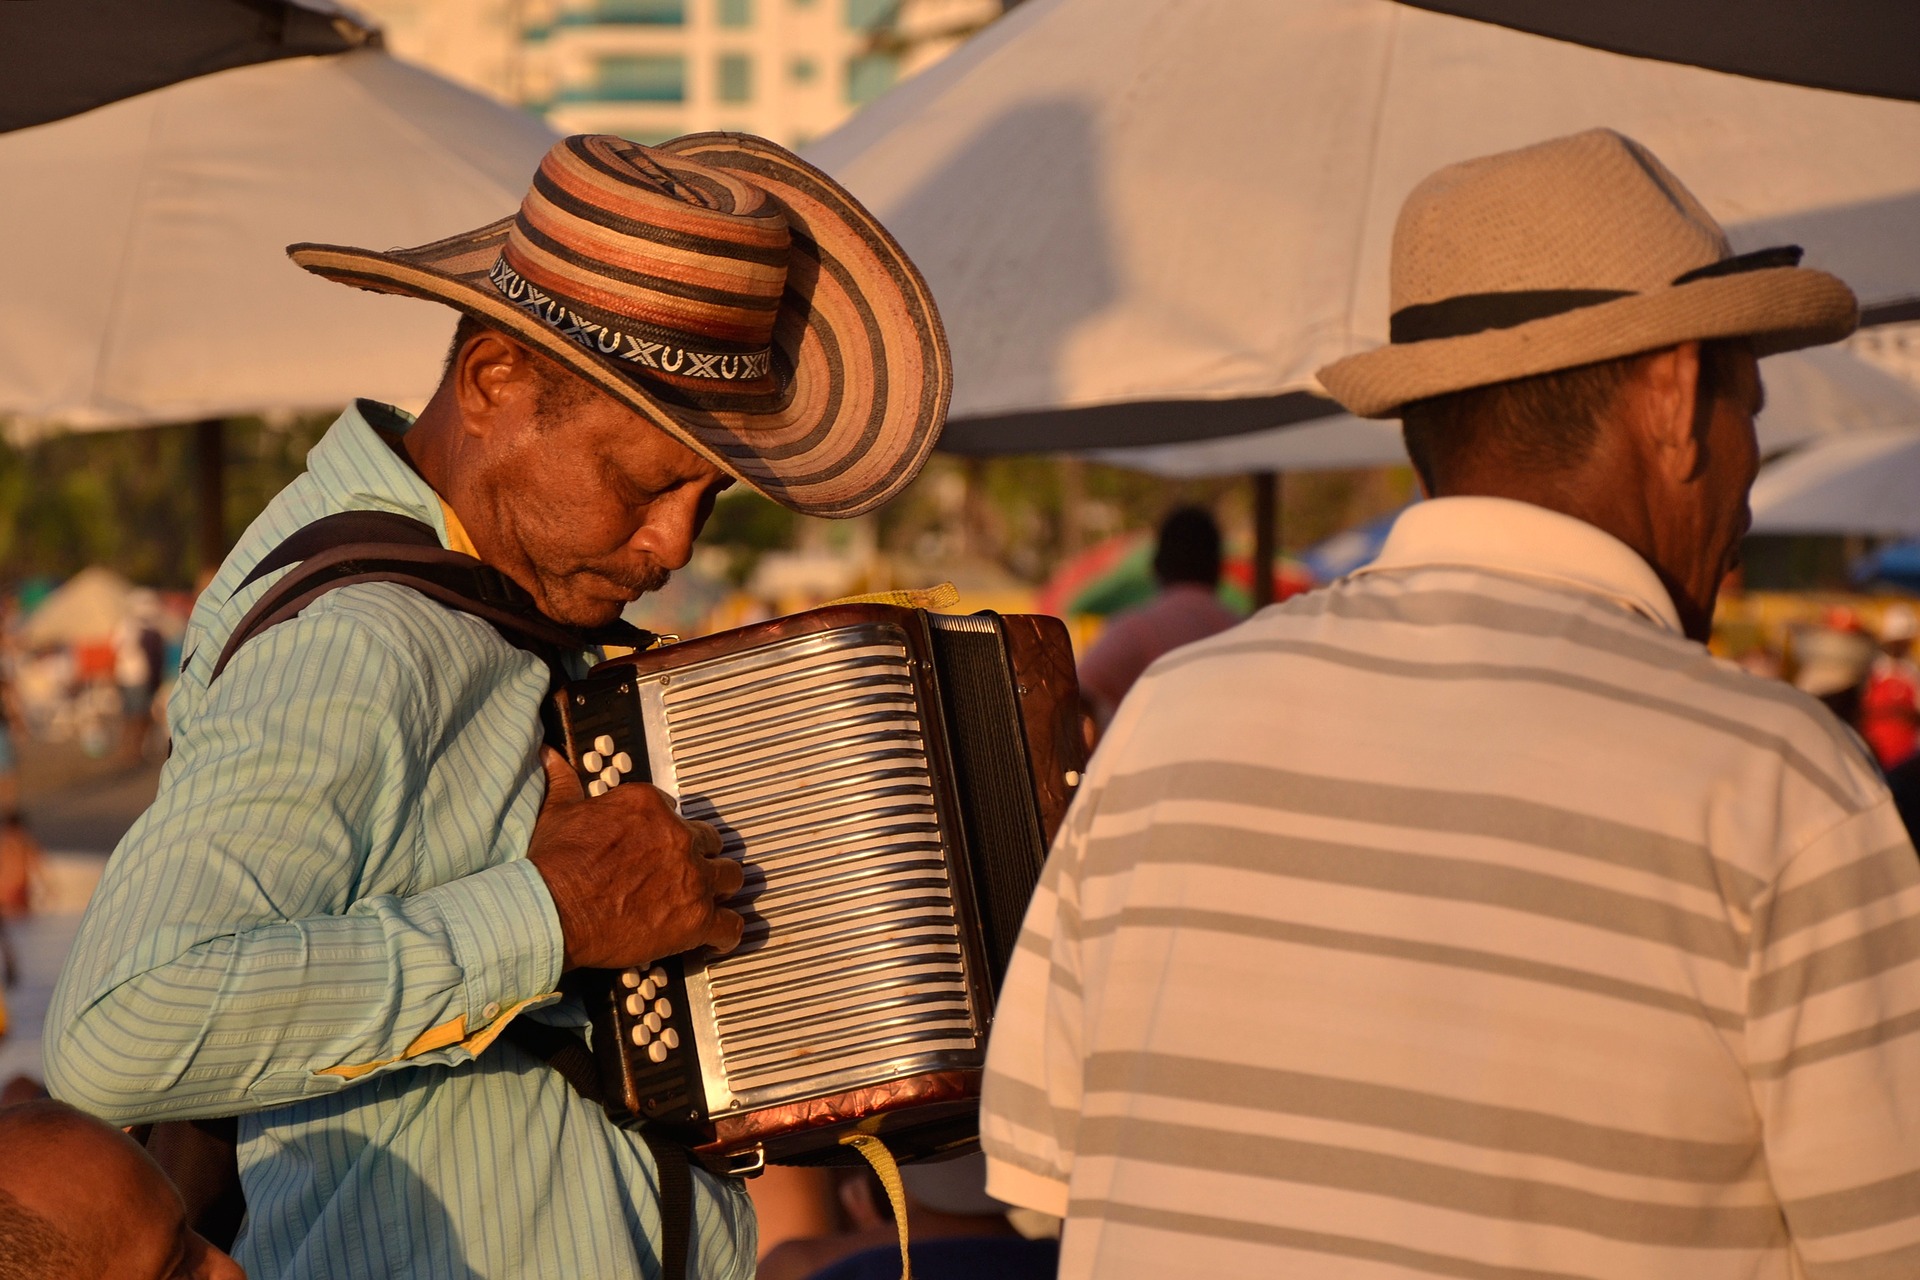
{"points": [[1266, 535], [210, 492]]}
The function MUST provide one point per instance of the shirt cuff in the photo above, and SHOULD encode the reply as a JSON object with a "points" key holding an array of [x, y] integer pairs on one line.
{"points": [[505, 936]]}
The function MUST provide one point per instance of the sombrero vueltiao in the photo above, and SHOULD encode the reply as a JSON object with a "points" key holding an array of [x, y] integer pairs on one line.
{"points": [[721, 287], [1566, 253]]}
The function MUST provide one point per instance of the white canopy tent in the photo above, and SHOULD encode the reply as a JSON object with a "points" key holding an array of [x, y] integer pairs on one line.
{"points": [[1810, 394], [148, 280], [1151, 220], [1865, 482]]}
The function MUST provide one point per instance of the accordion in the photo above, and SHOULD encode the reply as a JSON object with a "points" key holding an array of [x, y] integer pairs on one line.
{"points": [[890, 780]]}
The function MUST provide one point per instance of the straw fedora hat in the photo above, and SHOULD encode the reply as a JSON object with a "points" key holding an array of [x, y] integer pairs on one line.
{"points": [[1565, 253], [729, 292]]}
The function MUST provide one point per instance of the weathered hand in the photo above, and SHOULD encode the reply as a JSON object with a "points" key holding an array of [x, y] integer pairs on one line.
{"points": [[631, 879]]}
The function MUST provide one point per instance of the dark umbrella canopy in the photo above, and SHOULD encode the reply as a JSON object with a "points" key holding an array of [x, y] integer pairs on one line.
{"points": [[1855, 46], [61, 57]]}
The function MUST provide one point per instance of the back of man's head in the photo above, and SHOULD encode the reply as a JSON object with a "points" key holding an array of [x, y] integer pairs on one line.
{"points": [[1189, 549], [79, 1200], [1532, 428], [31, 1247]]}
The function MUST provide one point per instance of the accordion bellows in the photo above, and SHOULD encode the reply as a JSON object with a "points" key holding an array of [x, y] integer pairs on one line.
{"points": [[890, 780]]}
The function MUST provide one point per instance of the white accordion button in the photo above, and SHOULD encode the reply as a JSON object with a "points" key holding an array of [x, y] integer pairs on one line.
{"points": [[637, 1004], [641, 1035], [630, 978], [593, 762], [658, 975], [653, 1021], [657, 1051], [610, 776], [596, 788], [603, 744], [1073, 777], [670, 1038], [647, 990], [623, 762], [663, 1007]]}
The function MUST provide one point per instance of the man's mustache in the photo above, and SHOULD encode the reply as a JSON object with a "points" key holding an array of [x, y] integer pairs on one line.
{"points": [[641, 584]]}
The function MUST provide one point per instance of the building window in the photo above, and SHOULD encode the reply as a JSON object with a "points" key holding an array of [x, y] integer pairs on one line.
{"points": [[802, 70], [645, 13], [869, 76], [735, 76], [736, 13], [864, 15], [646, 77]]}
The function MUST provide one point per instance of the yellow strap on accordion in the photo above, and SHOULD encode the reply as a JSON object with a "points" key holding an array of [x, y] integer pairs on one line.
{"points": [[882, 1161], [944, 596]]}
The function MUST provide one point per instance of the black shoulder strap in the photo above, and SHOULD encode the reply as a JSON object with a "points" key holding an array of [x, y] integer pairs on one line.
{"points": [[380, 546]]}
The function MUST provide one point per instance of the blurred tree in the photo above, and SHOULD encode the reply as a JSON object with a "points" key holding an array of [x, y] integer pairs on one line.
{"points": [[125, 499]]}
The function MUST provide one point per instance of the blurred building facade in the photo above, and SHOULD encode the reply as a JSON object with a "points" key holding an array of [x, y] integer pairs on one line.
{"points": [[789, 70]]}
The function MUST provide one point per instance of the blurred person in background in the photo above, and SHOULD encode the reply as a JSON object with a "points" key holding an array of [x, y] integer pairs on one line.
{"points": [[79, 1200], [956, 1231], [1890, 703], [1467, 917], [1186, 564], [139, 669], [1832, 662]]}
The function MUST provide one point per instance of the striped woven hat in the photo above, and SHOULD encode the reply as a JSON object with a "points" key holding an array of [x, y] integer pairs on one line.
{"points": [[720, 286]]}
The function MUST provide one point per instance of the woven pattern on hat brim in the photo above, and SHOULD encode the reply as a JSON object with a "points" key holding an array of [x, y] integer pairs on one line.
{"points": [[453, 272], [381, 273], [1781, 309]]}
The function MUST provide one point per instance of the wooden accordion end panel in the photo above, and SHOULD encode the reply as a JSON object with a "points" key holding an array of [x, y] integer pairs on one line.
{"points": [[890, 780]]}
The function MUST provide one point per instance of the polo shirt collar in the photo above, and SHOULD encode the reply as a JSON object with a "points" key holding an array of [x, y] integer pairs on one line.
{"points": [[1501, 535]]}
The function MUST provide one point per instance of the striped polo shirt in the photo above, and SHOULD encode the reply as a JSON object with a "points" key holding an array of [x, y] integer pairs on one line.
{"points": [[1464, 919]]}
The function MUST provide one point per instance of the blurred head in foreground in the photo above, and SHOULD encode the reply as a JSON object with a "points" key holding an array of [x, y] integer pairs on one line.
{"points": [[1570, 328], [79, 1200]]}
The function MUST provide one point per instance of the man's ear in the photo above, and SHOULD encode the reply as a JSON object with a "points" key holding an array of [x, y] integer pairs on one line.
{"points": [[492, 375], [1670, 413]]}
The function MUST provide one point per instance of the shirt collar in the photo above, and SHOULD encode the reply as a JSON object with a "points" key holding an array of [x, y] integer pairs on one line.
{"points": [[1505, 536], [356, 462]]}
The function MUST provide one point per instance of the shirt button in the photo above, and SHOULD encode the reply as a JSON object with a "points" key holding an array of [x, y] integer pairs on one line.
{"points": [[491, 1012]]}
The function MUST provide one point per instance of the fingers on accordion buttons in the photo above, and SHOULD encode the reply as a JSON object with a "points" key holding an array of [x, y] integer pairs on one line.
{"points": [[603, 744], [641, 1035], [631, 978], [670, 1038], [593, 762], [596, 788], [657, 1051], [623, 762]]}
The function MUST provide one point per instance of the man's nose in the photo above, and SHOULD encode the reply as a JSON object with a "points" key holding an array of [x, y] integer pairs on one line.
{"points": [[667, 535]]}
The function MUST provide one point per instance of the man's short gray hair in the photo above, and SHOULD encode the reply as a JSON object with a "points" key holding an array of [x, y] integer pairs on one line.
{"points": [[31, 1247]]}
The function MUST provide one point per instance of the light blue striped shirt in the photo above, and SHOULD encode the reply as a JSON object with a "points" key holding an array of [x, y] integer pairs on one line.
{"points": [[328, 914]]}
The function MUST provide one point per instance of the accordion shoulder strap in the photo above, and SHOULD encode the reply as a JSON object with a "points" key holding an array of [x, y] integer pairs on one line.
{"points": [[351, 547]]}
